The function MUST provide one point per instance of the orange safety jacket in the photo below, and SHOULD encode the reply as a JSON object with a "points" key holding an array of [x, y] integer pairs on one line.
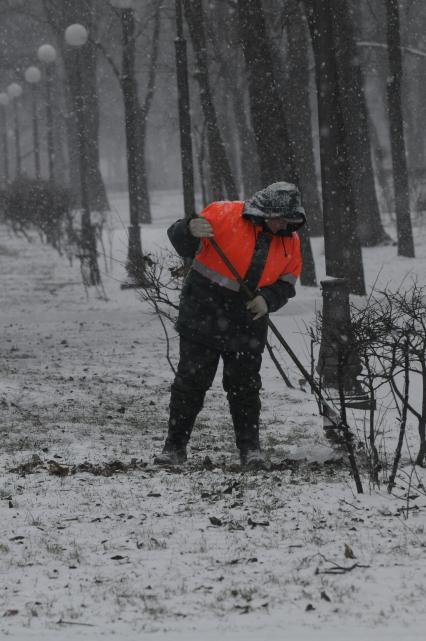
{"points": [[236, 236]]}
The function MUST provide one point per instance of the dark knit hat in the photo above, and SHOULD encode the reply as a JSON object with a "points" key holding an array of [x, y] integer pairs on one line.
{"points": [[279, 200]]}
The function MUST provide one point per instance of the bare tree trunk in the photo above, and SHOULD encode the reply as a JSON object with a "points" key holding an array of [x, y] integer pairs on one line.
{"points": [[295, 95], [416, 151], [379, 156], [143, 114], [268, 117], [248, 156], [399, 161], [267, 112], [225, 41], [143, 191], [354, 112], [342, 247], [222, 180]]}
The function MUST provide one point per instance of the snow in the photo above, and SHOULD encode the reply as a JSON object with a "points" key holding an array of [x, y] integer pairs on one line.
{"points": [[135, 554]]}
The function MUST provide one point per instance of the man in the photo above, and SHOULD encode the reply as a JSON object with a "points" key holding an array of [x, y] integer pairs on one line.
{"points": [[215, 320]]}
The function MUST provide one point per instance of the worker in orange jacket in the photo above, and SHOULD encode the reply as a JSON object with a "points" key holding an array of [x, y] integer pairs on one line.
{"points": [[215, 320]]}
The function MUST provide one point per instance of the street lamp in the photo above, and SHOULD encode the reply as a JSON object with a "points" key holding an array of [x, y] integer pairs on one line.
{"points": [[4, 101], [76, 36], [14, 92], [33, 77], [184, 115], [135, 261], [47, 55]]}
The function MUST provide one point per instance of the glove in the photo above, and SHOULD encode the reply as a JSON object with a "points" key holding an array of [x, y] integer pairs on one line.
{"points": [[200, 228], [258, 306]]}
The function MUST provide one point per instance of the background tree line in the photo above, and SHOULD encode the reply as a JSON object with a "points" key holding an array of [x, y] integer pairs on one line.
{"points": [[325, 93]]}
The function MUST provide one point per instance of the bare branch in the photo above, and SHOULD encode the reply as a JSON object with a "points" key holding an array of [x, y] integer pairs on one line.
{"points": [[380, 45], [109, 59]]}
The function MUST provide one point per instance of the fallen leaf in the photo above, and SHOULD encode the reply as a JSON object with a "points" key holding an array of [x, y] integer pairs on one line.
{"points": [[349, 552], [255, 523]]}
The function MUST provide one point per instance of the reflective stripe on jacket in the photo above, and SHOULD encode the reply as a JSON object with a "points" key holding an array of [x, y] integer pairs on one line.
{"points": [[236, 236]]}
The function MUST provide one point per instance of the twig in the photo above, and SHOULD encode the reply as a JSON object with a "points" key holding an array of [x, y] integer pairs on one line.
{"points": [[381, 45], [61, 621], [345, 427], [403, 423], [278, 366], [338, 569]]}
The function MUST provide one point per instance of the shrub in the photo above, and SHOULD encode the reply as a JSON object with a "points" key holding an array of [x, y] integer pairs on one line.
{"points": [[39, 205]]}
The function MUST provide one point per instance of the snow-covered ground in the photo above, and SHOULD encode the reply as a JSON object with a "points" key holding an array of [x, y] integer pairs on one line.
{"points": [[118, 547]]}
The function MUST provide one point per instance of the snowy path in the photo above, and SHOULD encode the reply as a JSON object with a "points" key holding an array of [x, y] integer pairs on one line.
{"points": [[203, 551]]}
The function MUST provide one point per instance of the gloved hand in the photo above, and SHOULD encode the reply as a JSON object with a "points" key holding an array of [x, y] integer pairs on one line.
{"points": [[258, 306], [200, 228]]}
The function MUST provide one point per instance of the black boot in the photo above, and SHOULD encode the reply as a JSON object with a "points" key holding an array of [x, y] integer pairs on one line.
{"points": [[171, 455], [254, 459]]}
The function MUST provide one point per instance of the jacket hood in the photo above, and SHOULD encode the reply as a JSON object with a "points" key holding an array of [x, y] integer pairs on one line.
{"points": [[281, 199]]}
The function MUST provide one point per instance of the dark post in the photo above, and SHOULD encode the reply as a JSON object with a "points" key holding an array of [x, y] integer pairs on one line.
{"points": [[17, 141], [88, 239], [49, 123], [5, 149], [135, 260], [338, 362], [76, 36], [184, 116], [36, 139], [47, 56]]}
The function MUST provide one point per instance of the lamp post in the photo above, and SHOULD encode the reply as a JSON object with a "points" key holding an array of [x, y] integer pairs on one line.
{"points": [[135, 261], [184, 115], [33, 77], [76, 36], [47, 56], [14, 92], [4, 101]]}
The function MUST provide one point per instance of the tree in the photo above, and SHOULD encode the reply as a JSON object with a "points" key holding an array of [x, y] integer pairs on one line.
{"points": [[223, 33], [292, 74], [414, 68], [268, 117], [144, 108], [342, 247], [221, 178], [136, 110], [399, 161], [354, 113]]}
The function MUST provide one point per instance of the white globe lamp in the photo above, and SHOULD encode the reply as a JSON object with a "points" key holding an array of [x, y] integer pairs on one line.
{"points": [[33, 75], [76, 35], [14, 90], [46, 53]]}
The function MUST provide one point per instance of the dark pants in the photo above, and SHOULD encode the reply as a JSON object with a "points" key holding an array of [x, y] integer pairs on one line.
{"points": [[196, 371]]}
